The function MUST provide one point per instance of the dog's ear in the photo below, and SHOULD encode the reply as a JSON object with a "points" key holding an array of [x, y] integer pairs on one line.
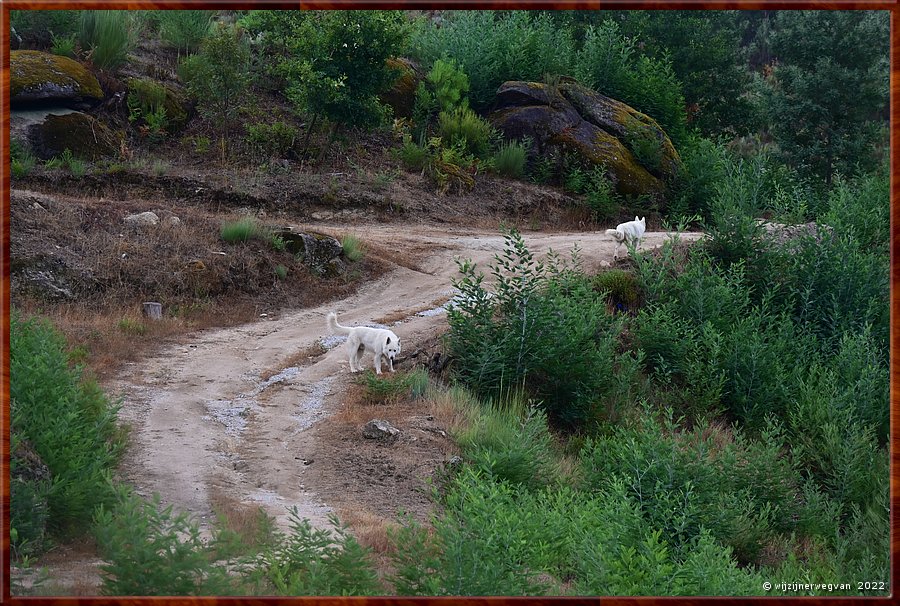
{"points": [[388, 340]]}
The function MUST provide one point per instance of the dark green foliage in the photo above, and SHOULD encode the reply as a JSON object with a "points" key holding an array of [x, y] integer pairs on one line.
{"points": [[63, 45], [704, 48], [702, 166], [154, 551], [184, 29], [740, 490], [37, 28], [859, 208], [493, 47], [68, 421], [334, 62], [608, 62], [311, 561], [543, 328], [823, 99]]}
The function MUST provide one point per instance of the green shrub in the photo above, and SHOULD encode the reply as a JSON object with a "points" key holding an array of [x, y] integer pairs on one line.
{"points": [[510, 441], [413, 155], [218, 76], [462, 127], [315, 562], [66, 418], [272, 140], [21, 163], [153, 551], [509, 159], [184, 29], [29, 495], [600, 194], [543, 328], [621, 286], [702, 167], [281, 272], [354, 250], [492, 47], [107, 36], [742, 491], [860, 208], [334, 62]]}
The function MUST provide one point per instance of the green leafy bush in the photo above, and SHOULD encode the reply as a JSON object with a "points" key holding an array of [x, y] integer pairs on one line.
{"points": [[543, 328], [218, 76], [154, 551], [463, 128], [39, 27], [334, 62], [63, 45], [67, 419], [311, 561], [621, 286], [272, 140]]}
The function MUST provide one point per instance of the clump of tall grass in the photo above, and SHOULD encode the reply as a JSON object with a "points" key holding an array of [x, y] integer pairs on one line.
{"points": [[184, 29], [509, 159], [354, 249], [107, 36]]}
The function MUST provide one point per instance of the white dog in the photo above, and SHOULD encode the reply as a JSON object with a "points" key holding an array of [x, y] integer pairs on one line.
{"points": [[380, 341], [630, 232]]}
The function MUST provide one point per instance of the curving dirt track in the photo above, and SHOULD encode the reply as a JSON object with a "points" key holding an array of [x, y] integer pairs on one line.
{"points": [[206, 426]]}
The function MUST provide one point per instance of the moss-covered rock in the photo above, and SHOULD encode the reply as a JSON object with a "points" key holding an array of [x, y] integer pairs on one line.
{"points": [[85, 136], [550, 120], [401, 97], [638, 132], [42, 77]]}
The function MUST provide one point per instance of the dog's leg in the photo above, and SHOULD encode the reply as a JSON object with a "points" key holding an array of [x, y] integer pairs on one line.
{"points": [[391, 364], [353, 351], [378, 363]]}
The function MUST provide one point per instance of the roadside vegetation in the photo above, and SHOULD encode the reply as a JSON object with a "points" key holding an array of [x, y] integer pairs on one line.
{"points": [[698, 420]]}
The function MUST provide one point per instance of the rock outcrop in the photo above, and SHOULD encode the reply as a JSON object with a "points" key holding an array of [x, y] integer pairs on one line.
{"points": [[401, 97], [637, 154], [83, 135], [37, 77]]}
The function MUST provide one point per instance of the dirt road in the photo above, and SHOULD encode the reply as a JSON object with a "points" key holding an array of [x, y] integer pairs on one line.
{"points": [[207, 428]]}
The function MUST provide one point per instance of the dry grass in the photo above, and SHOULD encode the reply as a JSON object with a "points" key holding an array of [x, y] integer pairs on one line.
{"points": [[369, 529], [246, 521]]}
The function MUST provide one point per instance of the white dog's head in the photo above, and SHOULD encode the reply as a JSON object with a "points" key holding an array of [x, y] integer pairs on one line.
{"points": [[392, 347]]}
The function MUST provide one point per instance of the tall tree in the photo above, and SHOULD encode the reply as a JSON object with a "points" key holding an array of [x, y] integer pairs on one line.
{"points": [[827, 91]]}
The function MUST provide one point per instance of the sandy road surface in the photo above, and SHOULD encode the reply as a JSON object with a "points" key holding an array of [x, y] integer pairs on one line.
{"points": [[204, 423]]}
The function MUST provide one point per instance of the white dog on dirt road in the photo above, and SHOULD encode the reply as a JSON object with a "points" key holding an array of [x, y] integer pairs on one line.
{"points": [[380, 341], [630, 232]]}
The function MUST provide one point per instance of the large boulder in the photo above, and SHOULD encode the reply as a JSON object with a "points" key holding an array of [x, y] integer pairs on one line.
{"points": [[37, 77], [636, 153], [401, 97], [320, 252], [83, 135]]}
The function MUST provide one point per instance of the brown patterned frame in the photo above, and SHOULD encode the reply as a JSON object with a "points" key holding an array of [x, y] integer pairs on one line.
{"points": [[6, 5]]}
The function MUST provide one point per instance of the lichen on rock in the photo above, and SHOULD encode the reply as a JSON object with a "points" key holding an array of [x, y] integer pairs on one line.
{"points": [[41, 77]]}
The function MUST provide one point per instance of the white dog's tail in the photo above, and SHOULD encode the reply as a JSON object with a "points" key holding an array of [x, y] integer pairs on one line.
{"points": [[334, 326], [616, 234]]}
